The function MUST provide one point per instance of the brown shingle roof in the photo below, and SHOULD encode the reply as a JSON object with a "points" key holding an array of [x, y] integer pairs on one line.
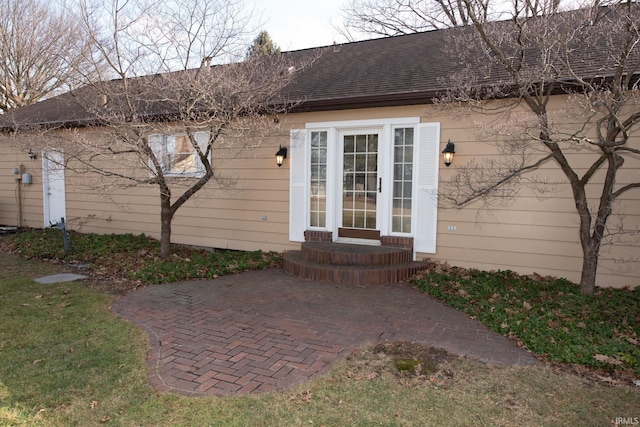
{"points": [[388, 71], [402, 70]]}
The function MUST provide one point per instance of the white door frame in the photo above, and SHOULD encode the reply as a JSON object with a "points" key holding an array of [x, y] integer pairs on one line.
{"points": [[339, 191], [335, 129]]}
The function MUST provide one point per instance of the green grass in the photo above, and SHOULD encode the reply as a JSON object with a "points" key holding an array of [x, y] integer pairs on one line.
{"points": [[62, 349], [549, 316]]}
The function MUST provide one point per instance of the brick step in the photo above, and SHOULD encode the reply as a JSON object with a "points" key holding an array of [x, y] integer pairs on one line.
{"points": [[354, 255], [296, 265]]}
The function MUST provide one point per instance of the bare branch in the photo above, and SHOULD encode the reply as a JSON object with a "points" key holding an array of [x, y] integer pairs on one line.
{"points": [[492, 180], [625, 188], [396, 17]]}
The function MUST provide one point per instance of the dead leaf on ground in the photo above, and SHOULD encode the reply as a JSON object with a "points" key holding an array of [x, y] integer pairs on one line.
{"points": [[607, 359], [608, 380], [510, 403], [302, 397], [553, 324]]}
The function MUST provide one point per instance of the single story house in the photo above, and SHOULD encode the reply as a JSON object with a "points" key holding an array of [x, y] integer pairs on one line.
{"points": [[364, 165]]}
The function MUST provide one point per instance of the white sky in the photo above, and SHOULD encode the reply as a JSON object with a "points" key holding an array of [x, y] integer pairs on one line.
{"points": [[300, 24]]}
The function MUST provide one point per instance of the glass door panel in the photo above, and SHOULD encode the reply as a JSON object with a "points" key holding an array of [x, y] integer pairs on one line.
{"points": [[402, 180], [360, 181]]}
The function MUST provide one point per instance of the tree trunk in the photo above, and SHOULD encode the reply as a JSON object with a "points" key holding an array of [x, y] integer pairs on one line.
{"points": [[165, 237], [589, 269], [166, 215], [591, 238]]}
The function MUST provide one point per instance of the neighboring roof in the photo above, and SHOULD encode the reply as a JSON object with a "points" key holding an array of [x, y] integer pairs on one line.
{"points": [[401, 70]]}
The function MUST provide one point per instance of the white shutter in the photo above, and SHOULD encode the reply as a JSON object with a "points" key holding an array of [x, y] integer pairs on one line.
{"points": [[202, 138], [298, 166], [427, 162], [159, 150]]}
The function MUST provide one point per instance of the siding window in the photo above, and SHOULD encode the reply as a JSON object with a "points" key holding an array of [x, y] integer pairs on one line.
{"points": [[402, 179], [177, 155], [318, 180]]}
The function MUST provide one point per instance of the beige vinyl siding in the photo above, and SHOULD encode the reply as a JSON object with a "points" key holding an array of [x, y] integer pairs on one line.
{"points": [[12, 157], [225, 214], [8, 187]]}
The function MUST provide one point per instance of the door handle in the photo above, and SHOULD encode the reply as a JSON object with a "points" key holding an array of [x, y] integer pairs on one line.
{"points": [[380, 185]]}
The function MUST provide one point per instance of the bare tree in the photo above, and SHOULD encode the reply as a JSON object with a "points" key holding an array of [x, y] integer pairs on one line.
{"points": [[396, 17], [593, 56], [170, 105], [42, 52]]}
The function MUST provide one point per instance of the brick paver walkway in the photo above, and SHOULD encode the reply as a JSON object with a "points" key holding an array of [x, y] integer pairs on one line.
{"points": [[266, 330]]}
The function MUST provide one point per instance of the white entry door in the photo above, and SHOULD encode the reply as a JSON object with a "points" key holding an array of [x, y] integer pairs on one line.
{"points": [[53, 187]]}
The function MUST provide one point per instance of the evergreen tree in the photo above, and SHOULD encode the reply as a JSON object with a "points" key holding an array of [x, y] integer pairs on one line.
{"points": [[263, 45]]}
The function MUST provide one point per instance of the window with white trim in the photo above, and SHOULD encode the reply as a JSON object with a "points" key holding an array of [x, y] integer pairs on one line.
{"points": [[177, 155]]}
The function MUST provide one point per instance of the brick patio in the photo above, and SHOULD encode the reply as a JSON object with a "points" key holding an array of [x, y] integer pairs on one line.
{"points": [[267, 331]]}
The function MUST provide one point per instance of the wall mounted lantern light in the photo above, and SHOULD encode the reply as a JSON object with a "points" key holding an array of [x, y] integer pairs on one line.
{"points": [[448, 153], [281, 155]]}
